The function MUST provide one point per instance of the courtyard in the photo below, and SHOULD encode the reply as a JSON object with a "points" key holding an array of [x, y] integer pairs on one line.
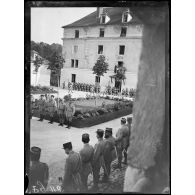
{"points": [[50, 139]]}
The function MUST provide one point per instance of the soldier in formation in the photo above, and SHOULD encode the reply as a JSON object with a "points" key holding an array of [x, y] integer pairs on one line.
{"points": [[69, 112], [122, 142], [41, 106], [61, 110], [52, 108], [71, 182], [39, 172], [86, 154]]}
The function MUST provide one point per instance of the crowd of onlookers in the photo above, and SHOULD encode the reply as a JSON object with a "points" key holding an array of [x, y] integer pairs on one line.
{"points": [[89, 160]]}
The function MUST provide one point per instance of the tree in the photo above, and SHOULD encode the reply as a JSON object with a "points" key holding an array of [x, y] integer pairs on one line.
{"points": [[100, 66], [37, 63], [55, 65]]}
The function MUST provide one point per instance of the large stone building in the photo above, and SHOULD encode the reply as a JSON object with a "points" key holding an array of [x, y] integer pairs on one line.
{"points": [[112, 32]]}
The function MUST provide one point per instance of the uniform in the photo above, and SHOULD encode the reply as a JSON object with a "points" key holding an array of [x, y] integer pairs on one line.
{"points": [[51, 109], [61, 110], [69, 111], [98, 160], [86, 154], [39, 174], [122, 141], [72, 179], [41, 106]]}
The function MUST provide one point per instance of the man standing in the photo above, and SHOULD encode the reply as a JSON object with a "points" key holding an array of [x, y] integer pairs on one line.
{"points": [[61, 110], [122, 137], [69, 110], [72, 180], [39, 172], [51, 108], [41, 104], [86, 154], [98, 160], [109, 152]]}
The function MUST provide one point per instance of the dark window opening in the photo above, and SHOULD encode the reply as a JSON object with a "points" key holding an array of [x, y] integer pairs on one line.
{"points": [[97, 79], [72, 63], [101, 32], [120, 63], [121, 50], [76, 33], [73, 78], [77, 63], [103, 19], [125, 17], [100, 49], [123, 31]]}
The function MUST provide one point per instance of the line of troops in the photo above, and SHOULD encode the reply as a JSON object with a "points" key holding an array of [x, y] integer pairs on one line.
{"points": [[48, 105], [88, 161]]}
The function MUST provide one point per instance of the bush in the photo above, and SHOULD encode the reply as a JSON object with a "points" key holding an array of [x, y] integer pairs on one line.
{"points": [[80, 116], [77, 112], [87, 115]]}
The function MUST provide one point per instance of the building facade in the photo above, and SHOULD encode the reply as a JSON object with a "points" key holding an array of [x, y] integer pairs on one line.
{"points": [[111, 32]]}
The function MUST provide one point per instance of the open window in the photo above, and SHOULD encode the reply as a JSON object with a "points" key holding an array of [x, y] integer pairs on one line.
{"points": [[76, 33], [101, 32], [72, 63], [100, 49], [97, 79], [121, 50], [123, 31], [76, 63]]}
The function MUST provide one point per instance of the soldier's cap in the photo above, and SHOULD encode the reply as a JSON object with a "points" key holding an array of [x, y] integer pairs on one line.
{"points": [[42, 95], [52, 95], [85, 136], [35, 150], [123, 120], [67, 145], [108, 130], [129, 118]]}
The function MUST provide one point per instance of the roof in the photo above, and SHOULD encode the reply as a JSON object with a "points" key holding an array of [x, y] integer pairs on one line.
{"points": [[114, 13]]}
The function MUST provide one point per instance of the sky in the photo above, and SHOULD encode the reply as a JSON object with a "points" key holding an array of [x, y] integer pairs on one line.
{"points": [[46, 23]]}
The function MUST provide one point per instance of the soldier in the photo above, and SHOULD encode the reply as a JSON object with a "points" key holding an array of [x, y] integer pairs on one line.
{"points": [[51, 108], [69, 110], [39, 172], [86, 154], [122, 137], [41, 105], [72, 179], [98, 160], [61, 110]]}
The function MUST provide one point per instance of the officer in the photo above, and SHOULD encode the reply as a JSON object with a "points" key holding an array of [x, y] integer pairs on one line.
{"points": [[122, 137], [61, 110], [51, 108], [98, 159], [39, 172], [41, 105], [72, 180], [86, 154], [109, 151], [69, 110]]}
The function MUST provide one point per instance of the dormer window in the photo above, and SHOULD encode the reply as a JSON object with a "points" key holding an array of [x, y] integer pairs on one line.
{"points": [[103, 19], [126, 17]]}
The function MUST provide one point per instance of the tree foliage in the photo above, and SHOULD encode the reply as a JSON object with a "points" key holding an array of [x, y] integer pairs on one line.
{"points": [[37, 63], [120, 73], [100, 66]]}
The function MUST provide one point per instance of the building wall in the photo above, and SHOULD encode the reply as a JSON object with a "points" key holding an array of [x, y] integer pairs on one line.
{"points": [[87, 53]]}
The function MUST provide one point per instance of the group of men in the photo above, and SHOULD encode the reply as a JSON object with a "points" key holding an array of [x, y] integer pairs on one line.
{"points": [[89, 160], [48, 105]]}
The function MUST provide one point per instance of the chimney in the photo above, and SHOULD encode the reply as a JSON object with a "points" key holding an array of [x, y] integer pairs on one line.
{"points": [[99, 11]]}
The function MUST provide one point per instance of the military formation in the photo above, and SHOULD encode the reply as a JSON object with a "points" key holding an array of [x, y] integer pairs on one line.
{"points": [[89, 160], [47, 105]]}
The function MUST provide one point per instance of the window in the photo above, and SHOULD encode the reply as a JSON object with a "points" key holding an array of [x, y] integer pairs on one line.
{"points": [[100, 49], [120, 63], [125, 17], [97, 79], [73, 78], [123, 31], [72, 63], [75, 48], [76, 64], [103, 19], [101, 32], [121, 50], [76, 33]]}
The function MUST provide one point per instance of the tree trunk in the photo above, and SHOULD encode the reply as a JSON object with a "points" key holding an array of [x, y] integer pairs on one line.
{"points": [[148, 161]]}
